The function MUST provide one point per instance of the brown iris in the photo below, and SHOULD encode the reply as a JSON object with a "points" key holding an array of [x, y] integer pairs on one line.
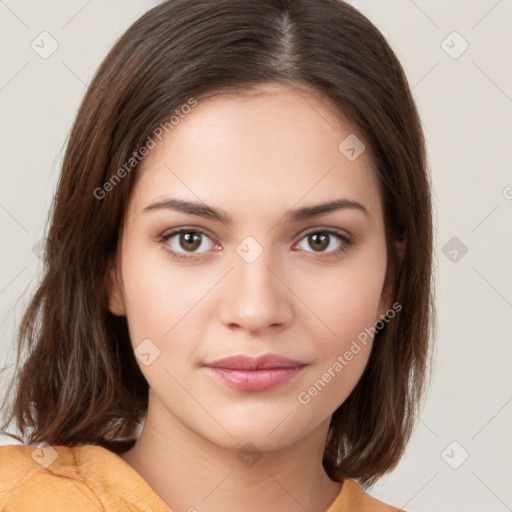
{"points": [[320, 241], [192, 240]]}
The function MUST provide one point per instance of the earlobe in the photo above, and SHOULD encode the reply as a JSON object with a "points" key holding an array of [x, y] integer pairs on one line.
{"points": [[115, 296]]}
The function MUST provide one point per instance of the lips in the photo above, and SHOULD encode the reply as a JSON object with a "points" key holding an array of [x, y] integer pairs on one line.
{"points": [[243, 362], [247, 373]]}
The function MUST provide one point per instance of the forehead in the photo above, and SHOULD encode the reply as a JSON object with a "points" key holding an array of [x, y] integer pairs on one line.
{"points": [[270, 146]]}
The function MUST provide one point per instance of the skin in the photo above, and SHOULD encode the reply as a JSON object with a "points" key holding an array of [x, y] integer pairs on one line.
{"points": [[256, 157]]}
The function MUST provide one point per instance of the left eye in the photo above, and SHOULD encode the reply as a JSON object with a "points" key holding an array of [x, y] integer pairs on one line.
{"points": [[322, 240], [189, 240]]}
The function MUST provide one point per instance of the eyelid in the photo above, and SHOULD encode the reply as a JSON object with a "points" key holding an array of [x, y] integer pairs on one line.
{"points": [[184, 229], [324, 229]]}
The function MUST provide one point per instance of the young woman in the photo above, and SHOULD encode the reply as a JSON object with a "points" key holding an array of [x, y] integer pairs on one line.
{"points": [[237, 302]]}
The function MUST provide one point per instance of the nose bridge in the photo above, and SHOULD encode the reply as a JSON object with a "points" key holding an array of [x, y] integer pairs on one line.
{"points": [[255, 298], [254, 274]]}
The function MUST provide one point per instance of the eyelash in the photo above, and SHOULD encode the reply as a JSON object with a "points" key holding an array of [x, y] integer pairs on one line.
{"points": [[346, 242]]}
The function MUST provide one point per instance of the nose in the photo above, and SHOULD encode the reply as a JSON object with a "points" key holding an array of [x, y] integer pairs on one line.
{"points": [[254, 296]]}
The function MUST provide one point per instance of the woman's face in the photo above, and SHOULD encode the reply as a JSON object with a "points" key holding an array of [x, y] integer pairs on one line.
{"points": [[268, 278]]}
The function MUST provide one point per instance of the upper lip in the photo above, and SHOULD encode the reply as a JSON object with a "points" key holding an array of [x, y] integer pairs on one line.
{"points": [[244, 362]]}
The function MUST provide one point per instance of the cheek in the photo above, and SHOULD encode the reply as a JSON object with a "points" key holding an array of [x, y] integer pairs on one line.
{"points": [[159, 301], [148, 299], [347, 302], [156, 293], [346, 299], [344, 342]]}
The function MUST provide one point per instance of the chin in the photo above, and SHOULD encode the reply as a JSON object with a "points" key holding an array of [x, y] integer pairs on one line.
{"points": [[265, 431], [252, 440]]}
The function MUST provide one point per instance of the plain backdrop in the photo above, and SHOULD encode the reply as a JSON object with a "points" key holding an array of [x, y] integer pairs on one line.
{"points": [[457, 56]]}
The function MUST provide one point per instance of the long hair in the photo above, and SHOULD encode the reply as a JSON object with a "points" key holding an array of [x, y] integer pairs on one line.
{"points": [[77, 380]]}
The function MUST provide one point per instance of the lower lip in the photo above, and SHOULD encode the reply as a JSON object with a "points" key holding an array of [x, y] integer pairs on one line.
{"points": [[255, 380]]}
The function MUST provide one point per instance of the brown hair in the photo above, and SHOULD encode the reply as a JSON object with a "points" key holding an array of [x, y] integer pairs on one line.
{"points": [[80, 382]]}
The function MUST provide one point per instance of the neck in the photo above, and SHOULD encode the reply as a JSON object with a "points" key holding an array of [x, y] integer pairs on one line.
{"points": [[190, 473]]}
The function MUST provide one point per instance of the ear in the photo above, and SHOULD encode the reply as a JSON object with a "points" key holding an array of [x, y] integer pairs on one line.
{"points": [[387, 289], [115, 295]]}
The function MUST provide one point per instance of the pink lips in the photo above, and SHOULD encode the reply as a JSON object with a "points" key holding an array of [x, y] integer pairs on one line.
{"points": [[255, 373]]}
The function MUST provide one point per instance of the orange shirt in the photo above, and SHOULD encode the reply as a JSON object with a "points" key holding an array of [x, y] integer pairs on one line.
{"points": [[90, 478]]}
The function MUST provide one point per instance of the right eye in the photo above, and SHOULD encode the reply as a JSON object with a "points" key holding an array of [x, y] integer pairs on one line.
{"points": [[183, 241]]}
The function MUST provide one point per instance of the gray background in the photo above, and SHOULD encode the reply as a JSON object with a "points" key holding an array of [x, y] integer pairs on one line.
{"points": [[465, 101]]}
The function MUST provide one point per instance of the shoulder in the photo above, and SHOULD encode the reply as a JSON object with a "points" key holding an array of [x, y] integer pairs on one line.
{"points": [[60, 478], [354, 499], [45, 476]]}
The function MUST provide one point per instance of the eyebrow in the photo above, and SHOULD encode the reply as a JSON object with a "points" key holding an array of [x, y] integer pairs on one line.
{"points": [[296, 215]]}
